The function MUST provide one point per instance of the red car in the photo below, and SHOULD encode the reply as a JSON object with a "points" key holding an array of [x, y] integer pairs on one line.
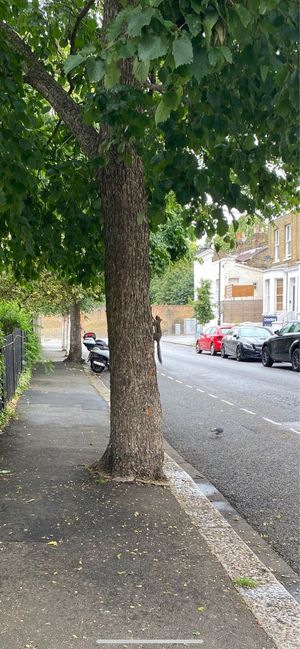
{"points": [[211, 339]]}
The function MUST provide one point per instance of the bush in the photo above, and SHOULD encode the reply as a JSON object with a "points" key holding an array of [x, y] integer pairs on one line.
{"points": [[203, 307], [176, 286], [12, 316]]}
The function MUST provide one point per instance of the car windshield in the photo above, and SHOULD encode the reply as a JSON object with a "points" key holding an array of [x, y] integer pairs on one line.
{"points": [[225, 331], [295, 328], [255, 332]]}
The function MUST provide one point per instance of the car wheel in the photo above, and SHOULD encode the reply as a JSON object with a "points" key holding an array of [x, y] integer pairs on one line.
{"points": [[239, 353], [223, 352], [295, 359], [198, 350], [212, 350], [267, 361]]}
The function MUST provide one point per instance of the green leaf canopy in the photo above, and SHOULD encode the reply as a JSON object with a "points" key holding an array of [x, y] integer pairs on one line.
{"points": [[211, 110]]}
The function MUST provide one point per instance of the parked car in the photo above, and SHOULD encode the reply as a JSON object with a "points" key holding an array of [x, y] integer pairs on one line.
{"points": [[244, 342], [283, 346], [211, 339]]}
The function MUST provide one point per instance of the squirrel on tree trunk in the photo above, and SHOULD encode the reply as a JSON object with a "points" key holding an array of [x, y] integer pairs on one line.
{"points": [[157, 335]]}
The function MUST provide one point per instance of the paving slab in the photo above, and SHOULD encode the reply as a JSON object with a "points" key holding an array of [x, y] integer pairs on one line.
{"points": [[85, 561]]}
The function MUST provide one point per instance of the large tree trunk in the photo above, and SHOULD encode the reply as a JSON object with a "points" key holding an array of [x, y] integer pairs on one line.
{"points": [[74, 355], [135, 447]]}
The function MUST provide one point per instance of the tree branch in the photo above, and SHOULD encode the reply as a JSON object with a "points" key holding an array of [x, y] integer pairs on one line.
{"points": [[78, 20], [36, 75], [157, 87], [85, 9]]}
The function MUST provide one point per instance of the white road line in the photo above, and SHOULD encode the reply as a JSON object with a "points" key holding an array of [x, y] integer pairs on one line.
{"points": [[229, 402], [249, 411], [170, 377], [163, 374], [271, 421], [214, 396], [177, 381], [295, 431], [199, 390], [188, 386], [166, 641]]}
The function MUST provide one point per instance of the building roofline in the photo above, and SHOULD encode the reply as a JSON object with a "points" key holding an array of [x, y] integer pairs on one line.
{"points": [[284, 216]]}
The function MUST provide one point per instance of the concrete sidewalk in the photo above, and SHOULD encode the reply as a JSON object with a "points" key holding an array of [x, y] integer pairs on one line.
{"points": [[180, 340], [89, 563]]}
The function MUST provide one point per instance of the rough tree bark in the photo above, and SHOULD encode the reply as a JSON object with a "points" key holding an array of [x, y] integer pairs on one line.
{"points": [[74, 355], [135, 446]]}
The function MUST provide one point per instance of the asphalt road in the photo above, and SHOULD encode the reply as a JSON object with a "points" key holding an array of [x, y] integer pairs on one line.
{"points": [[255, 461]]}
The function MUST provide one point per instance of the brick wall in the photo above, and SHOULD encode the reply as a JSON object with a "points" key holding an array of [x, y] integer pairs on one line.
{"points": [[172, 314], [235, 311], [279, 224], [50, 327], [96, 320], [93, 321]]}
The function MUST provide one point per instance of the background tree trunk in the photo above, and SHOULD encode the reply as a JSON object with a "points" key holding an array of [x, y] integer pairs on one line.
{"points": [[135, 447], [65, 325], [74, 355]]}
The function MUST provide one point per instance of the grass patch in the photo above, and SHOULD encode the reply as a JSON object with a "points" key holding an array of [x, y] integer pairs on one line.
{"points": [[48, 365], [101, 480], [10, 409], [245, 582]]}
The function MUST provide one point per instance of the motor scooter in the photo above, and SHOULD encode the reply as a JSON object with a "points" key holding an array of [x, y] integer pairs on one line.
{"points": [[90, 343], [98, 354], [99, 359]]}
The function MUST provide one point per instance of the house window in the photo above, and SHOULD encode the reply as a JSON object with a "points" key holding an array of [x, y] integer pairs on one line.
{"points": [[267, 296], [288, 241], [279, 294], [276, 245]]}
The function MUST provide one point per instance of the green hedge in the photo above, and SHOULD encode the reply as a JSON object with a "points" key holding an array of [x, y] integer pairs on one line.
{"points": [[12, 316]]}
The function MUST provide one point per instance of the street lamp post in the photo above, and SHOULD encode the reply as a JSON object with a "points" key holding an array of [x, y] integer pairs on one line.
{"points": [[219, 294]]}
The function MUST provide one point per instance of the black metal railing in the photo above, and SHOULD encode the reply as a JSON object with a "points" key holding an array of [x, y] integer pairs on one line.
{"points": [[13, 357]]}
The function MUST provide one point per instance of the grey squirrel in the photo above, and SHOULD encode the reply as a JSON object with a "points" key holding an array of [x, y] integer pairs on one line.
{"points": [[157, 335]]}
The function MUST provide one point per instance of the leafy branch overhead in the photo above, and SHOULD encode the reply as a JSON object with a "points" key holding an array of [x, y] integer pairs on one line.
{"points": [[180, 40], [211, 107]]}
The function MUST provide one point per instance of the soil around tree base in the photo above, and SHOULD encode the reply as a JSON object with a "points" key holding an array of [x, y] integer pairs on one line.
{"points": [[70, 359], [104, 467]]}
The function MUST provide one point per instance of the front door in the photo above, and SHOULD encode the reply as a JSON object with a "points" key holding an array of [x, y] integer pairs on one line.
{"points": [[292, 294]]}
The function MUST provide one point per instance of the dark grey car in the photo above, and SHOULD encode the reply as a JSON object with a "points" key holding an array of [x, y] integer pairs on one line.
{"points": [[283, 346], [244, 342]]}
